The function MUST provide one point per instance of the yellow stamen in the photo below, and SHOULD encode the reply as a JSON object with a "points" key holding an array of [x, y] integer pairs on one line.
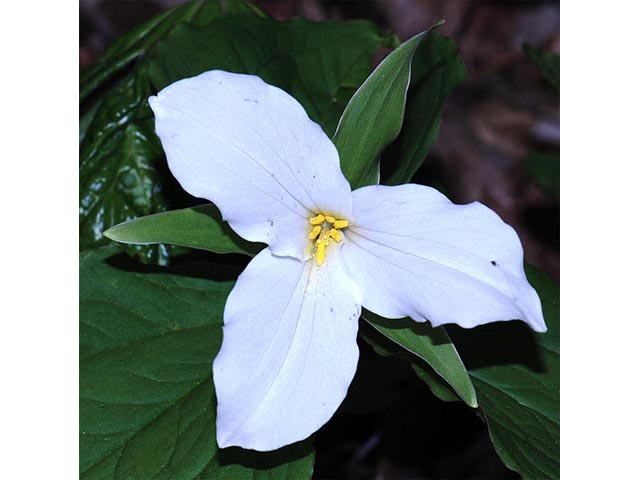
{"points": [[341, 224], [325, 232], [315, 231], [317, 220], [335, 234], [320, 252]]}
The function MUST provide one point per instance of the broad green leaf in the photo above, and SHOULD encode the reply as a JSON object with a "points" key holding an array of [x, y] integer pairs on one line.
{"points": [[198, 227], [432, 345], [547, 62], [437, 69], [320, 64], [136, 43], [516, 373], [544, 168], [373, 117], [147, 405]]}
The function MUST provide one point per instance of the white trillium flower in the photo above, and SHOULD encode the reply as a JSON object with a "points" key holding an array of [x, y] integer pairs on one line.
{"points": [[289, 347]]}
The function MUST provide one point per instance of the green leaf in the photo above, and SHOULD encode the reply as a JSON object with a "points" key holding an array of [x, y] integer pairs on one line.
{"points": [[432, 345], [547, 62], [147, 405], [544, 168], [136, 43], [438, 387], [199, 227], [516, 373], [373, 117], [86, 118], [436, 70], [320, 64], [121, 164]]}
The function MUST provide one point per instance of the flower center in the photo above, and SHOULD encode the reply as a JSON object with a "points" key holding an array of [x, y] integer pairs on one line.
{"points": [[325, 229]]}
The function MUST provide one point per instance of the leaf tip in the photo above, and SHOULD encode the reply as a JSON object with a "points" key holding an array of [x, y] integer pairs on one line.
{"points": [[111, 234]]}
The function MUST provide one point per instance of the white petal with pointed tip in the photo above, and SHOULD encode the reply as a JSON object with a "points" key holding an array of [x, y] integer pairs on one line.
{"points": [[288, 353], [251, 149], [416, 254]]}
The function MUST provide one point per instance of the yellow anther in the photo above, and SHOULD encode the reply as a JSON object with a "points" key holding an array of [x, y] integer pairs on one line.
{"points": [[341, 224], [325, 231], [315, 231], [320, 252], [335, 234], [317, 220]]}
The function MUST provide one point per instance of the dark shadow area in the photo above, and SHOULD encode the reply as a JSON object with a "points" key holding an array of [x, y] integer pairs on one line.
{"points": [[265, 460], [501, 343], [543, 222], [392, 426], [190, 266]]}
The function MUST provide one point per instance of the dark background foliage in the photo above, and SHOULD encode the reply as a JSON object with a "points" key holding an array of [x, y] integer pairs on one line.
{"points": [[498, 130]]}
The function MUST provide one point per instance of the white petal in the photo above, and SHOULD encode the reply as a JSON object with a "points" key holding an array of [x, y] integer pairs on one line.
{"points": [[416, 254], [289, 351], [251, 149]]}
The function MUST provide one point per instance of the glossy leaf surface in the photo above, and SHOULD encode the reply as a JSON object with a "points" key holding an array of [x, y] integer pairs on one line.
{"points": [[120, 164]]}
